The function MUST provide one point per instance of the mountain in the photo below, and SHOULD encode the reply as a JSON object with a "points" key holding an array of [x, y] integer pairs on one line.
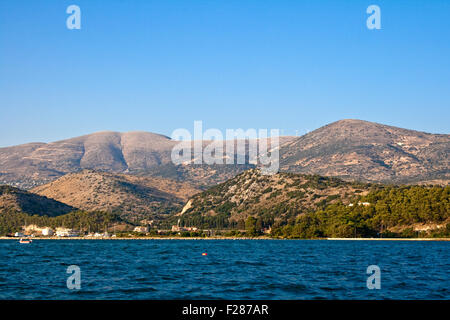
{"points": [[350, 149], [367, 151], [281, 196], [294, 205], [133, 197], [17, 200], [139, 153], [38, 163]]}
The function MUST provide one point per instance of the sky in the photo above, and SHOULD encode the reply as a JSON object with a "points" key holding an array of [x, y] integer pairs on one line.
{"points": [[160, 65]]}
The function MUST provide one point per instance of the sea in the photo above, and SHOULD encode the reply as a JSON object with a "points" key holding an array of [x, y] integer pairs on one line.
{"points": [[224, 269]]}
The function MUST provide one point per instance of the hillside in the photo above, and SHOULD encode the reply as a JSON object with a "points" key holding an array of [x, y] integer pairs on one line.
{"points": [[200, 176], [311, 206], [279, 197], [367, 151], [132, 197], [13, 199]]}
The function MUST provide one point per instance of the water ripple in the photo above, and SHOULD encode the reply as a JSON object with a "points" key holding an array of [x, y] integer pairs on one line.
{"points": [[252, 269]]}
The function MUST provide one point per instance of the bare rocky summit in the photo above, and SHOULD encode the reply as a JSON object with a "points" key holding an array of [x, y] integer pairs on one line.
{"points": [[367, 151], [33, 164], [350, 149]]}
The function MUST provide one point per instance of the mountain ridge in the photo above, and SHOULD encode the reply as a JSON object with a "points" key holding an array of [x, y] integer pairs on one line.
{"points": [[361, 150], [351, 149]]}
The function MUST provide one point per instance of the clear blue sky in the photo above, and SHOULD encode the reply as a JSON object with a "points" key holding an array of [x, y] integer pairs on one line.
{"points": [[160, 65]]}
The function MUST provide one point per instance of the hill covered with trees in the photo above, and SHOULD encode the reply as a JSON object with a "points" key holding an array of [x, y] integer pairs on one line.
{"points": [[311, 206], [409, 211]]}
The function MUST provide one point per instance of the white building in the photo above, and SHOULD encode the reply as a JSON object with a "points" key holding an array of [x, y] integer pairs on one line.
{"points": [[365, 204], [178, 228], [47, 232], [62, 232], [100, 235], [19, 234], [141, 229]]}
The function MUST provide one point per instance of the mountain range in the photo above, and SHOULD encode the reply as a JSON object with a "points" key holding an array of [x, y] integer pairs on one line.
{"points": [[349, 149]]}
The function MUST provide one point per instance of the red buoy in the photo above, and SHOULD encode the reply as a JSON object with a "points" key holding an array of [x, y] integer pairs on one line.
{"points": [[204, 254]]}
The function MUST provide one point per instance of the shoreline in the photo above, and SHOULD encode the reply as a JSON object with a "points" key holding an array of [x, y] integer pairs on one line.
{"points": [[225, 238], [388, 239]]}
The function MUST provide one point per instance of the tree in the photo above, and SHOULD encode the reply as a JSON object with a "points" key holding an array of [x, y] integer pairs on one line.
{"points": [[250, 226]]}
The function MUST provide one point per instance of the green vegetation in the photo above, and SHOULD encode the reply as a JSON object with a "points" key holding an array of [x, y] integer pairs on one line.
{"points": [[12, 221], [390, 208], [219, 221], [311, 206], [289, 205]]}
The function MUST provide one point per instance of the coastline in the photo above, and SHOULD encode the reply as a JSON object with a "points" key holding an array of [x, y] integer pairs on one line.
{"points": [[227, 238], [388, 239]]}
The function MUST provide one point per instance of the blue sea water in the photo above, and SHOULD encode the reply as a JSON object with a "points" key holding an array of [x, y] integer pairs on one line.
{"points": [[232, 269]]}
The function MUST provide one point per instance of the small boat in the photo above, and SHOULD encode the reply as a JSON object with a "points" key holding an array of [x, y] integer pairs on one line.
{"points": [[25, 240]]}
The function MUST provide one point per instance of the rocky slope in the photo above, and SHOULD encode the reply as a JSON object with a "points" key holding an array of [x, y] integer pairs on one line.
{"points": [[133, 198], [13, 199], [361, 150], [281, 196], [311, 206]]}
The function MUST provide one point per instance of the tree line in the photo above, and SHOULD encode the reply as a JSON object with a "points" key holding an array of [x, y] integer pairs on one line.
{"points": [[385, 209], [97, 221]]}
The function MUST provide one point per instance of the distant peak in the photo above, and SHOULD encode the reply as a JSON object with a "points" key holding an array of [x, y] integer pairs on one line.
{"points": [[352, 121]]}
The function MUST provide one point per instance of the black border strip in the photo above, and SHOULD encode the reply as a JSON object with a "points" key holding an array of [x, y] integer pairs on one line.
{"points": [[173, 309]]}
